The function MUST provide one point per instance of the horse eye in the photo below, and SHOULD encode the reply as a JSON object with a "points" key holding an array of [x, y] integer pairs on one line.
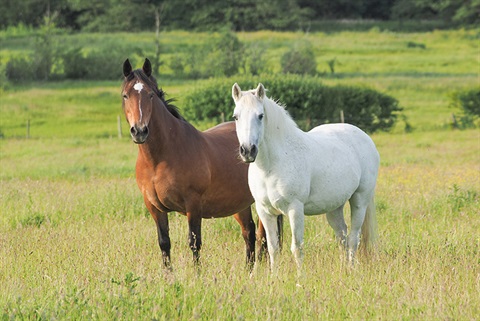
{"points": [[125, 96], [260, 117], [151, 95], [235, 117]]}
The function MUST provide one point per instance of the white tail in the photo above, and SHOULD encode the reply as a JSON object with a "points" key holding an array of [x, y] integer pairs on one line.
{"points": [[369, 228]]}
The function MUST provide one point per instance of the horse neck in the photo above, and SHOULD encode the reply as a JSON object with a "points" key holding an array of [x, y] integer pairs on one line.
{"points": [[278, 126], [166, 134]]}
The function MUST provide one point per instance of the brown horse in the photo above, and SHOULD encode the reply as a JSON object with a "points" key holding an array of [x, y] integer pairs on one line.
{"points": [[182, 169]]}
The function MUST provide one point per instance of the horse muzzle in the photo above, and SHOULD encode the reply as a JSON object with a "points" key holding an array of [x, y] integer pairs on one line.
{"points": [[139, 134], [248, 153]]}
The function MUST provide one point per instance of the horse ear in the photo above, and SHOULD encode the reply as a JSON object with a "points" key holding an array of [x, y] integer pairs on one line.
{"points": [[127, 68], [236, 92], [147, 67], [260, 91]]}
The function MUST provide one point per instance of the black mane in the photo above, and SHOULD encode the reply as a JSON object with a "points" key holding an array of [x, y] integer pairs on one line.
{"points": [[152, 83]]}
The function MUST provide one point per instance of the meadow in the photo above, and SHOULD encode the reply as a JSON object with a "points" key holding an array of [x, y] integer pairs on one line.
{"points": [[76, 241]]}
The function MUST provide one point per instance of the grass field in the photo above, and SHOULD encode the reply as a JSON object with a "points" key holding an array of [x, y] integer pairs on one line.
{"points": [[76, 241]]}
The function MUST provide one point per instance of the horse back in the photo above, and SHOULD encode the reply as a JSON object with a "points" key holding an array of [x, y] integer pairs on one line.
{"points": [[354, 140]]}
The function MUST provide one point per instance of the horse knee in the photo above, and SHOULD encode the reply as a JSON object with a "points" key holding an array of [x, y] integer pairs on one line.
{"points": [[273, 252], [297, 251]]}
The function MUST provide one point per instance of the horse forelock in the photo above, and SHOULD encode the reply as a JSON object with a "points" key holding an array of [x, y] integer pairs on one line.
{"points": [[151, 82]]}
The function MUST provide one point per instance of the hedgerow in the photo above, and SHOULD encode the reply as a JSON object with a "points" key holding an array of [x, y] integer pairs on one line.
{"points": [[306, 98]]}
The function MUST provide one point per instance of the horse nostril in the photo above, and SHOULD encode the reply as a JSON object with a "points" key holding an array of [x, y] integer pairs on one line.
{"points": [[133, 131], [253, 150], [242, 150]]}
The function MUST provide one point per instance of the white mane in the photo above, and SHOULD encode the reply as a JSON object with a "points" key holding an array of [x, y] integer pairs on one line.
{"points": [[277, 118]]}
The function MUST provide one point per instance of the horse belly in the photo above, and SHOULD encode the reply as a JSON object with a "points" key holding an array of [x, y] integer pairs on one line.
{"points": [[332, 184], [325, 203]]}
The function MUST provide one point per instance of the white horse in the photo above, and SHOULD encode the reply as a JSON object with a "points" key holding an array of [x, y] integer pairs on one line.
{"points": [[297, 173]]}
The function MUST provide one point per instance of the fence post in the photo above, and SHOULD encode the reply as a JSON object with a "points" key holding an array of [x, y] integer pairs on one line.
{"points": [[454, 121], [119, 126], [342, 118], [28, 128]]}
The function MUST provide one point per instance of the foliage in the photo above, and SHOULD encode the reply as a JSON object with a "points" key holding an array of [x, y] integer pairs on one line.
{"points": [[224, 56], [308, 101], [300, 59], [74, 64], [19, 69], [238, 15], [221, 56], [41, 63], [455, 12], [468, 102], [254, 61]]}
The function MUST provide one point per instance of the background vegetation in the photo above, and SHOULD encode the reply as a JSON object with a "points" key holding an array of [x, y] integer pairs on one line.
{"points": [[76, 241], [238, 15], [309, 101]]}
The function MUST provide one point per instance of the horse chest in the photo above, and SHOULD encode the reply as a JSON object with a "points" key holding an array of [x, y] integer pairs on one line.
{"points": [[160, 191], [276, 192]]}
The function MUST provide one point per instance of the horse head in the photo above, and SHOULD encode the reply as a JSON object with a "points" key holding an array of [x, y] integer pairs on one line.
{"points": [[138, 96], [249, 119]]}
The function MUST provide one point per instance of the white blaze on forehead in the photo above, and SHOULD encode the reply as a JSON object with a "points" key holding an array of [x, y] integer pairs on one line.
{"points": [[138, 87]]}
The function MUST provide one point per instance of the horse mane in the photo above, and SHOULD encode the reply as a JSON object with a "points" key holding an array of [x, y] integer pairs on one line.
{"points": [[278, 117], [152, 83]]}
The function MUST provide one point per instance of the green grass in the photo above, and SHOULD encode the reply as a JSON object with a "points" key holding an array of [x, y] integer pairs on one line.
{"points": [[76, 241], [83, 246]]}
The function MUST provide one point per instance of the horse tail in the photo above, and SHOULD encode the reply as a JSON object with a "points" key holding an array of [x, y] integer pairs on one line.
{"points": [[369, 228]]}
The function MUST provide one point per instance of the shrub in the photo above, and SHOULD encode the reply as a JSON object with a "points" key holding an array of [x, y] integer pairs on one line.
{"points": [[308, 101], [254, 61], [225, 55], [74, 64], [97, 65], [3, 79], [468, 101], [299, 60], [220, 57], [19, 69]]}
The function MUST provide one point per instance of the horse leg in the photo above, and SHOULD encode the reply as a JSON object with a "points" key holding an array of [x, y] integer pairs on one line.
{"points": [[244, 218], [195, 235], [161, 220], [261, 237], [337, 222], [296, 216], [271, 230], [358, 208]]}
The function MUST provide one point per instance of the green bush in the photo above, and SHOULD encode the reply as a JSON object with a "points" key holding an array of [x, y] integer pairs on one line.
{"points": [[222, 56], [308, 101], [19, 69], [97, 65], [299, 60], [74, 64], [468, 101]]}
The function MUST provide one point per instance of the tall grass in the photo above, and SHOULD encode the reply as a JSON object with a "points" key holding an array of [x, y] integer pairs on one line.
{"points": [[77, 247]]}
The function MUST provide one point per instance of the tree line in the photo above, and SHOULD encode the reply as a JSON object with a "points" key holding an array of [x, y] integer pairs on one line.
{"points": [[237, 15]]}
